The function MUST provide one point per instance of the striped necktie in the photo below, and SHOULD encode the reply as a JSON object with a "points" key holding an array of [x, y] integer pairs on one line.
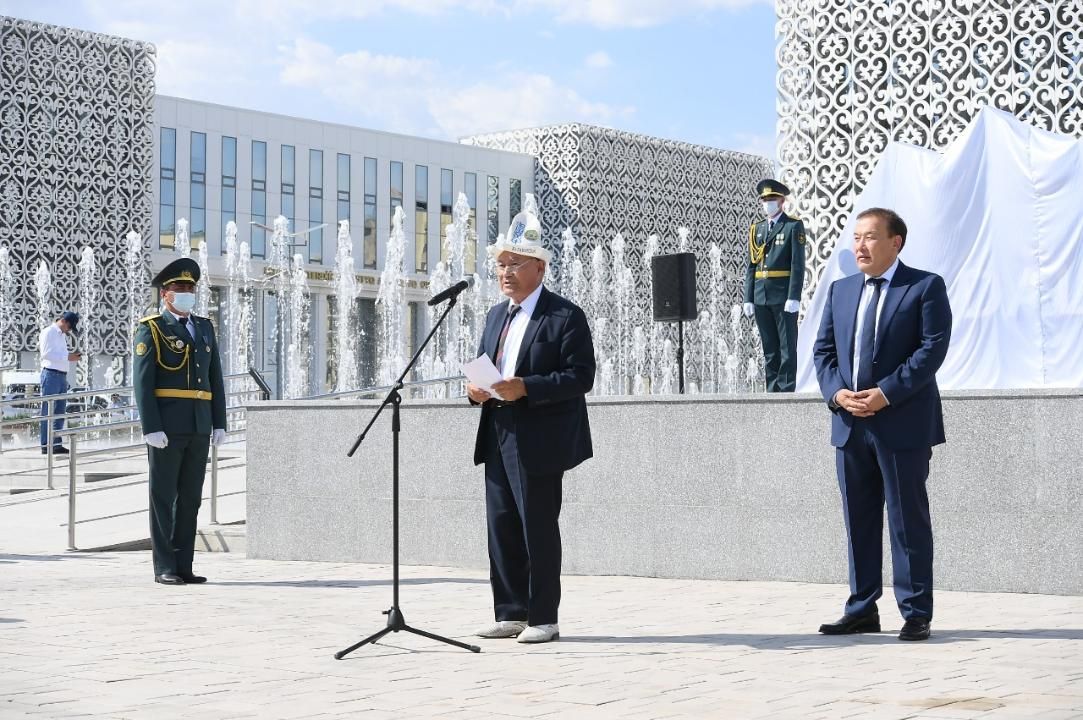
{"points": [[504, 334]]}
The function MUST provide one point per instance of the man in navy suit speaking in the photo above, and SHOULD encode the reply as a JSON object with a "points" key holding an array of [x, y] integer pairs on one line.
{"points": [[883, 336], [531, 431]]}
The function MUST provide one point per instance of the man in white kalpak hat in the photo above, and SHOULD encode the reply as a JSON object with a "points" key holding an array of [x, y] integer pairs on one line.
{"points": [[532, 429]]}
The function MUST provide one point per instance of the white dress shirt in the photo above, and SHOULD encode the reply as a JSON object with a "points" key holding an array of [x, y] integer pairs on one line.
{"points": [[185, 321], [866, 297], [516, 331], [53, 348]]}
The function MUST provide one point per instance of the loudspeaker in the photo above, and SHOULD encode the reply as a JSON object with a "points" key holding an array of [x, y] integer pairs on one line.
{"points": [[674, 283]]}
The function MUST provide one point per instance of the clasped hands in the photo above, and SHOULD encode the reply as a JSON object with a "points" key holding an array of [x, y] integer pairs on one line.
{"points": [[863, 403], [509, 390]]}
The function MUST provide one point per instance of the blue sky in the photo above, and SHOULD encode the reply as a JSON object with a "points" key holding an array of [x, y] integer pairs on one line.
{"points": [[695, 70]]}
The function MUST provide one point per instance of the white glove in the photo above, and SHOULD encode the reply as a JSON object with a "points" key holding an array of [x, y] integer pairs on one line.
{"points": [[750, 309], [218, 436], [156, 439], [791, 306]]}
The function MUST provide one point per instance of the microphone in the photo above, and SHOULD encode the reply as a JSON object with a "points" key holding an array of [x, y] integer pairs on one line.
{"points": [[451, 292]]}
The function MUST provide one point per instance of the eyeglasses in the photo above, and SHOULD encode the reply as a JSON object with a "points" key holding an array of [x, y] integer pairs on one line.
{"points": [[511, 268]]}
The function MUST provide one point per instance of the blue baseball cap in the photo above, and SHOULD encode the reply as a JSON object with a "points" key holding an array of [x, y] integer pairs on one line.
{"points": [[71, 318]]}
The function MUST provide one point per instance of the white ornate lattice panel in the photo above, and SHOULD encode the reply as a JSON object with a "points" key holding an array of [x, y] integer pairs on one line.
{"points": [[76, 153], [600, 182], [856, 74]]}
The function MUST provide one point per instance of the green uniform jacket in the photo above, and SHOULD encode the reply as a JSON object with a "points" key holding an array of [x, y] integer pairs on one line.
{"points": [[782, 256], [169, 361]]}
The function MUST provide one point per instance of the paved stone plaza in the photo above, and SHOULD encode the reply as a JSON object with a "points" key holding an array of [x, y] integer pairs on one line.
{"points": [[90, 635]]}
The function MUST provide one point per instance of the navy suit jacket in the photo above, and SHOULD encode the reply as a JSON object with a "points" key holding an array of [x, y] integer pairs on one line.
{"points": [[556, 363], [911, 343]]}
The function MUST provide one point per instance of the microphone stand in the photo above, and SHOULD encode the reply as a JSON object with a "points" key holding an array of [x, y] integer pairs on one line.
{"points": [[396, 622]]}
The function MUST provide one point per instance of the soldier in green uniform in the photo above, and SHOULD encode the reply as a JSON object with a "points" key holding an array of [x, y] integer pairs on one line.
{"points": [[182, 405], [773, 281]]}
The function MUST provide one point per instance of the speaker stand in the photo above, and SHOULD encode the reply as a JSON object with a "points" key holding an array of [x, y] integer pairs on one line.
{"points": [[680, 357]]}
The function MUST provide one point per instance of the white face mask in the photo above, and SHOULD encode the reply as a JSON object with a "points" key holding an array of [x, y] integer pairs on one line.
{"points": [[184, 302], [771, 207]]}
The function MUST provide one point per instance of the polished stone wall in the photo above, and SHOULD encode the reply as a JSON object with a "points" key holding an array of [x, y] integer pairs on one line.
{"points": [[725, 487]]}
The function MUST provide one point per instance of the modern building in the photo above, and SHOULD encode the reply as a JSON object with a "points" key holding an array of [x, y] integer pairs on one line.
{"points": [[216, 164]]}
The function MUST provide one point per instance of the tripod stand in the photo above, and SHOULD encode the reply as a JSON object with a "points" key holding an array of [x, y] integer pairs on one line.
{"points": [[395, 620]]}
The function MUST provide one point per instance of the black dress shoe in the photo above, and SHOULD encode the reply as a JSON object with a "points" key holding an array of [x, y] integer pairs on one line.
{"points": [[849, 624], [192, 579], [169, 579], [915, 628], [59, 450]]}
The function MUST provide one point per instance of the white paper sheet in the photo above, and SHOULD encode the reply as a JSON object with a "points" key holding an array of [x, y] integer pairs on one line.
{"points": [[483, 373]]}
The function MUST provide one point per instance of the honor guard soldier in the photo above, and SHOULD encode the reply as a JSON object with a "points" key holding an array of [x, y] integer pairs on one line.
{"points": [[182, 406], [773, 281]]}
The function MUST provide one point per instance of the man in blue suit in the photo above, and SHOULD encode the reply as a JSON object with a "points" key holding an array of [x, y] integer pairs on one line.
{"points": [[533, 428], [883, 336]]}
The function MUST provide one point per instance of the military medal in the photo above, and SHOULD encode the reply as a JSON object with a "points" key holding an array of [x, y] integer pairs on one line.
{"points": [[180, 344]]}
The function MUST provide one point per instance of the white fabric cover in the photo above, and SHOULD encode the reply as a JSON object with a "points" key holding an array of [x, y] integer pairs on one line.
{"points": [[998, 214]]}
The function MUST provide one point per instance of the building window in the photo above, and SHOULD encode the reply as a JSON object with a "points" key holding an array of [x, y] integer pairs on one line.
{"points": [[493, 208], [315, 205], [343, 187], [167, 209], [229, 183], [396, 186], [515, 201], [259, 198], [369, 249], [421, 219], [198, 220], [447, 200], [288, 180], [470, 188]]}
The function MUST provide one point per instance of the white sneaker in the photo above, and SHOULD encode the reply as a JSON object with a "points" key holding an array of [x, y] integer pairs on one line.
{"points": [[540, 633], [502, 629]]}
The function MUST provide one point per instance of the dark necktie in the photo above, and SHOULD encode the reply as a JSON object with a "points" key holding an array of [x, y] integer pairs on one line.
{"points": [[867, 343], [504, 334]]}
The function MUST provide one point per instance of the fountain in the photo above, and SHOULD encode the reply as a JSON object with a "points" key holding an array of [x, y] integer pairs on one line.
{"points": [[346, 325], [203, 287], [136, 281], [298, 354], [181, 244], [238, 301], [89, 294], [43, 288], [391, 305], [7, 309]]}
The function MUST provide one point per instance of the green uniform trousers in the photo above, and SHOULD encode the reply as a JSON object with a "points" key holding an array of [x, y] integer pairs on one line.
{"points": [[176, 491], [778, 334]]}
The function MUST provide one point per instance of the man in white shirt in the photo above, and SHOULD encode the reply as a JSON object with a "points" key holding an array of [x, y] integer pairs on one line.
{"points": [[55, 362]]}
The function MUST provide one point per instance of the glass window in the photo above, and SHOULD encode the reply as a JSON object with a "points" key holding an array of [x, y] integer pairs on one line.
{"points": [[315, 205], [470, 188], [259, 198], [446, 204], [197, 225], [343, 187], [167, 210], [396, 186], [369, 248], [493, 208], [515, 202], [229, 183], [421, 219], [288, 180]]}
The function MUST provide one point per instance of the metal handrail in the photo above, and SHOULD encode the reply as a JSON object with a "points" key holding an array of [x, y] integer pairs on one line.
{"points": [[376, 390], [73, 433]]}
